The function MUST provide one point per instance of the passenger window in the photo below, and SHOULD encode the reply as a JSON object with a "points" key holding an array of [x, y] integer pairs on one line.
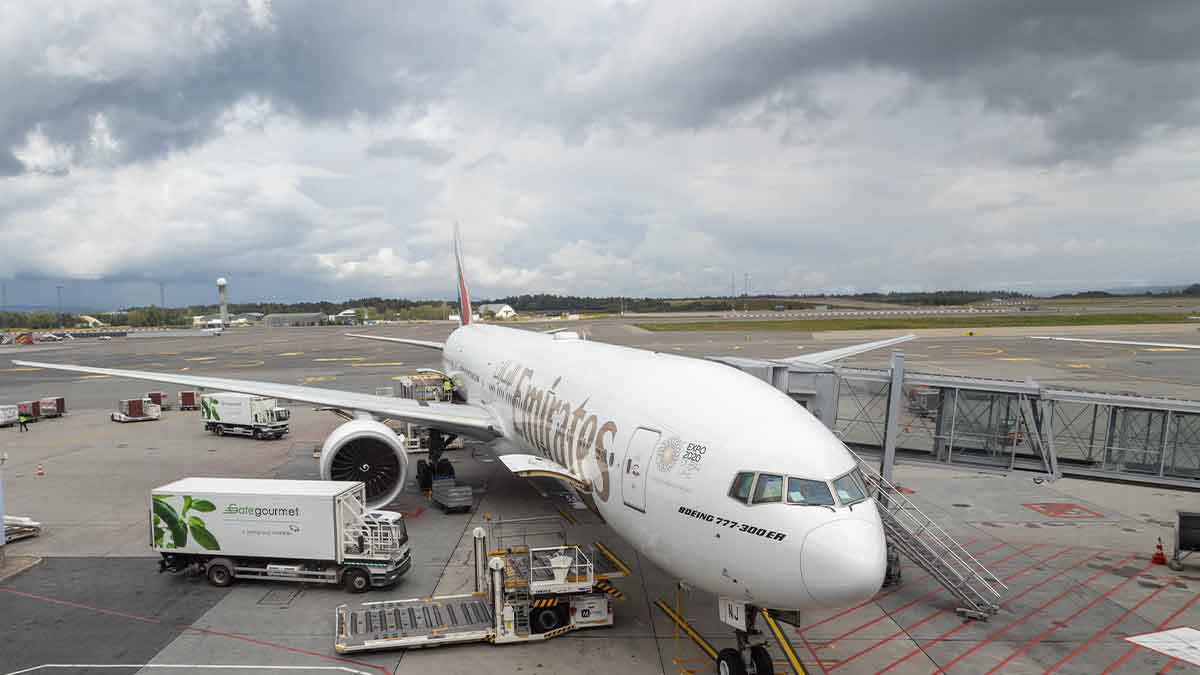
{"points": [[768, 489], [849, 489], [808, 492], [741, 486]]}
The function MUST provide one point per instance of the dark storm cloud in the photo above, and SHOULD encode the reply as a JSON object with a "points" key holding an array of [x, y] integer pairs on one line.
{"points": [[1100, 74]]}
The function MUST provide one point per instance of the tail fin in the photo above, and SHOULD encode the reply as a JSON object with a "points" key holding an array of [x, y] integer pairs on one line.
{"points": [[464, 298]]}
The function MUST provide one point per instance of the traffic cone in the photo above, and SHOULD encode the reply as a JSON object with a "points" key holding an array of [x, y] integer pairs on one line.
{"points": [[40, 471], [1159, 557]]}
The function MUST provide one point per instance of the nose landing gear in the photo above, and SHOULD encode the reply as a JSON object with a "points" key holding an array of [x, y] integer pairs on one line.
{"points": [[751, 656]]}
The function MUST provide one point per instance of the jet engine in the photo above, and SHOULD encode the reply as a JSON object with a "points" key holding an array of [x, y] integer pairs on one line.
{"points": [[367, 451]]}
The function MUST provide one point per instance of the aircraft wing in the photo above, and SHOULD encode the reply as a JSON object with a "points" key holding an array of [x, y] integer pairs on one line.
{"points": [[1166, 345], [462, 419], [822, 358], [404, 341]]}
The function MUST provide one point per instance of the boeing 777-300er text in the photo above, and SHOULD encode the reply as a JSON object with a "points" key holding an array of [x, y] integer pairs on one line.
{"points": [[717, 477]]}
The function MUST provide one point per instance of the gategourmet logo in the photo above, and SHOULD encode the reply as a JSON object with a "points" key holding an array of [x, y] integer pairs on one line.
{"points": [[262, 511]]}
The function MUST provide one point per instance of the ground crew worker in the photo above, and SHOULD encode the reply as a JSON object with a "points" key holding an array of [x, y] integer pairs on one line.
{"points": [[448, 388], [24, 422]]}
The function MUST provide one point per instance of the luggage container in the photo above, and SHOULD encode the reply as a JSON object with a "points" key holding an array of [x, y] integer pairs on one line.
{"points": [[159, 399], [136, 410], [8, 415], [49, 407], [188, 400], [32, 410]]}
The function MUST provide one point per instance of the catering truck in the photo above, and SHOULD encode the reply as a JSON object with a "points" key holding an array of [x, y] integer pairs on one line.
{"points": [[243, 414], [314, 531]]}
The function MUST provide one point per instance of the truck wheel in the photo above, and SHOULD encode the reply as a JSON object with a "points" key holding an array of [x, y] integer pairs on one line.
{"points": [[220, 430], [546, 619], [220, 574], [729, 662], [356, 580], [257, 435], [761, 658]]}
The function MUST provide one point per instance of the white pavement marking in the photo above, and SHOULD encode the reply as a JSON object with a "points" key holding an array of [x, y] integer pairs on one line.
{"points": [[342, 669]]}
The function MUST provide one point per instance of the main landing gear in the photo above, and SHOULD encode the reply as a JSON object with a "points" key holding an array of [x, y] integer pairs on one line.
{"points": [[436, 466]]}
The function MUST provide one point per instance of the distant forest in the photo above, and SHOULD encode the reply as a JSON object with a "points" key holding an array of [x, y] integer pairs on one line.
{"points": [[404, 309]]}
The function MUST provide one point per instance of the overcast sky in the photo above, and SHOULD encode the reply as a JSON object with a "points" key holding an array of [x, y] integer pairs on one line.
{"points": [[323, 150]]}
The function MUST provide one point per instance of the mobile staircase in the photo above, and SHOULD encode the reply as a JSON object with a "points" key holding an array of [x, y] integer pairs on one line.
{"points": [[926, 544]]}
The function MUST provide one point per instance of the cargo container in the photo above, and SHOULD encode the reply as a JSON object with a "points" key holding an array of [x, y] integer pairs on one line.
{"points": [[32, 410], [243, 415], [49, 407], [278, 530], [8, 415], [136, 410], [160, 399], [188, 400]]}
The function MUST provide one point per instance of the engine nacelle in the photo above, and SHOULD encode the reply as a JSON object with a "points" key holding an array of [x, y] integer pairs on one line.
{"points": [[367, 451]]}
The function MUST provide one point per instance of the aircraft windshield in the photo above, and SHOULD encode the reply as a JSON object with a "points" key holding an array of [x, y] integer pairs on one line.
{"points": [[741, 486], [768, 489], [808, 492], [849, 489]]}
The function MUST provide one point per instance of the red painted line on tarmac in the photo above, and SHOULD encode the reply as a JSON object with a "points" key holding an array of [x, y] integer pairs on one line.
{"points": [[964, 625], [991, 638], [940, 612], [1075, 652], [152, 620], [877, 598], [816, 659], [883, 615], [1042, 636]]}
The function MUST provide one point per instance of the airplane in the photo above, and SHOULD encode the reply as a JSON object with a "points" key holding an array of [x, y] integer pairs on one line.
{"points": [[713, 475], [1162, 345]]}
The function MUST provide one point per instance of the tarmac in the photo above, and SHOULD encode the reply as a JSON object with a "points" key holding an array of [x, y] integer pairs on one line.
{"points": [[1074, 554]]}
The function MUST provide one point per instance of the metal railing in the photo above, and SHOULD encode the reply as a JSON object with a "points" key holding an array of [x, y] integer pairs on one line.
{"points": [[925, 543]]}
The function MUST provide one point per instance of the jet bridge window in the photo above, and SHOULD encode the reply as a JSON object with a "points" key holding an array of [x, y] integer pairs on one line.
{"points": [[741, 486], [769, 488], [808, 492], [849, 489]]}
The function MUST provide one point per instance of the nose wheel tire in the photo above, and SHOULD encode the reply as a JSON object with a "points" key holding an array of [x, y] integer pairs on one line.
{"points": [[761, 658], [729, 662]]}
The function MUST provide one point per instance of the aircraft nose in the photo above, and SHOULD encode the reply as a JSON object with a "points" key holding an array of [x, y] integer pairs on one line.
{"points": [[843, 562]]}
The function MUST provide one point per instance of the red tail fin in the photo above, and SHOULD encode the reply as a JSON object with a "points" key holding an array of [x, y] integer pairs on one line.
{"points": [[464, 298]]}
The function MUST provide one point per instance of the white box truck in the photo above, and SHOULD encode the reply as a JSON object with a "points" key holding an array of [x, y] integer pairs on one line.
{"points": [[243, 414], [8, 415], [282, 530]]}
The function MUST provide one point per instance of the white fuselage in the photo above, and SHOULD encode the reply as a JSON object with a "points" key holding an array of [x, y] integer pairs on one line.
{"points": [[659, 439]]}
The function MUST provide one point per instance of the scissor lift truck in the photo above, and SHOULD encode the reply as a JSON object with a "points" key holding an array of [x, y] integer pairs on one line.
{"points": [[521, 594]]}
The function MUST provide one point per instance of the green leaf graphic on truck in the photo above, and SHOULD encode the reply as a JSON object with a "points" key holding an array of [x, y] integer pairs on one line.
{"points": [[178, 524], [208, 409]]}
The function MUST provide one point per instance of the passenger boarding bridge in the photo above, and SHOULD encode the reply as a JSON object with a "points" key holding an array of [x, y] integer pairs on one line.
{"points": [[997, 423]]}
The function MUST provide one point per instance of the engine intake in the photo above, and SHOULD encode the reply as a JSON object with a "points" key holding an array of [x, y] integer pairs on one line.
{"points": [[367, 451]]}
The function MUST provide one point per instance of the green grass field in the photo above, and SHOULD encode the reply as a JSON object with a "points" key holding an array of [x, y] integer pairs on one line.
{"points": [[986, 321]]}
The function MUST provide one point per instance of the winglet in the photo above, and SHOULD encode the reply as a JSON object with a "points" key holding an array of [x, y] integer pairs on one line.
{"points": [[464, 298]]}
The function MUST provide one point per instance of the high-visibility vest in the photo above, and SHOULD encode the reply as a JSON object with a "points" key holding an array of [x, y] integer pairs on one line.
{"points": [[447, 386]]}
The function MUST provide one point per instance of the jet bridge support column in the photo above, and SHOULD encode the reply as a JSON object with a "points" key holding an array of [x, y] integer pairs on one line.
{"points": [[481, 573], [892, 424]]}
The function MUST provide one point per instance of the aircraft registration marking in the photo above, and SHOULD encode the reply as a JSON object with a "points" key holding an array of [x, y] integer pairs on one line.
{"points": [[733, 524]]}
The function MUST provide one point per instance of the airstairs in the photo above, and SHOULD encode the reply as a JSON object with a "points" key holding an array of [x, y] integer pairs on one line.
{"points": [[926, 544]]}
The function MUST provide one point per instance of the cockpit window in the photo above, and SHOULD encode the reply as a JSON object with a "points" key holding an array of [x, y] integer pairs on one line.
{"points": [[741, 486], [768, 489], [808, 492], [849, 489]]}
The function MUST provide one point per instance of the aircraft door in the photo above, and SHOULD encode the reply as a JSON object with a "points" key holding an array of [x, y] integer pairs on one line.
{"points": [[636, 467]]}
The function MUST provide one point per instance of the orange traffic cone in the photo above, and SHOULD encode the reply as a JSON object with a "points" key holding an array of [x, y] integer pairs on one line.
{"points": [[40, 471], [1159, 557]]}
